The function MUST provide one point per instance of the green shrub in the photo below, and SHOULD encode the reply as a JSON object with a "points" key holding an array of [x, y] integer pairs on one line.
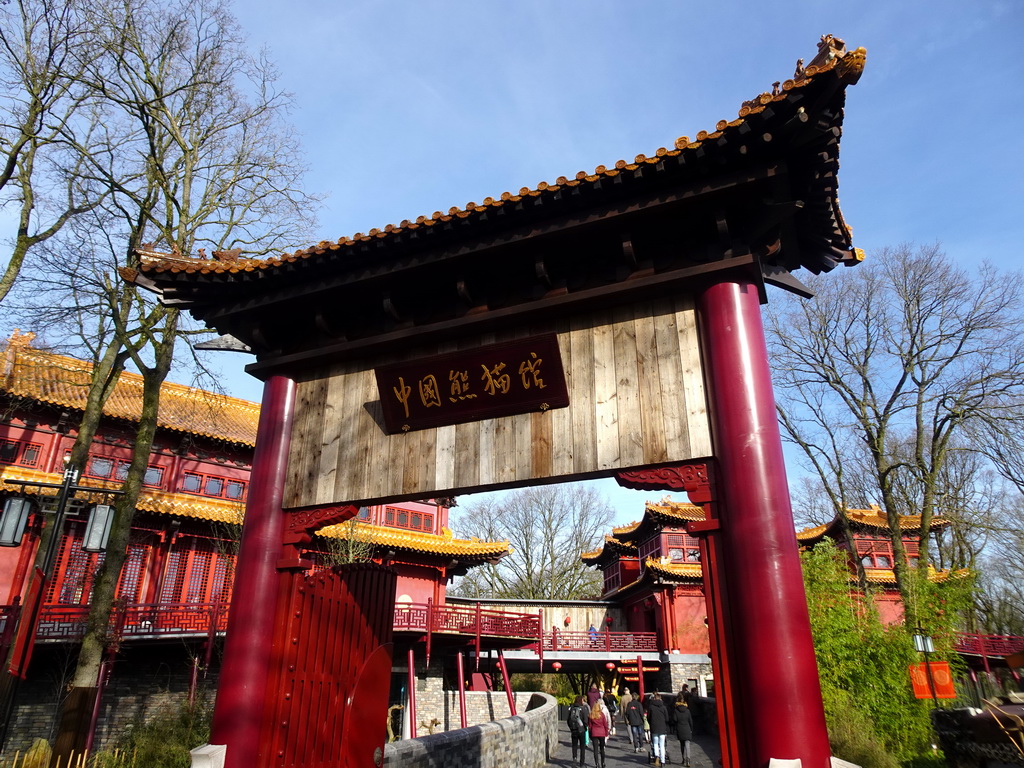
{"points": [[163, 741]]}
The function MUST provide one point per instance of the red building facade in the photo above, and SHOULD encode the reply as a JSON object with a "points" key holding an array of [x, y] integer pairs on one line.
{"points": [[178, 577]]}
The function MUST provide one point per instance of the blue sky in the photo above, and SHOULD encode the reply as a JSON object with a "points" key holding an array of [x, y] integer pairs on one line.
{"points": [[410, 107], [407, 107]]}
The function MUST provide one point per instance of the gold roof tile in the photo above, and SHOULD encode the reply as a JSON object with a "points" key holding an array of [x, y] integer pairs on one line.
{"points": [[873, 517], [150, 500], [64, 381], [850, 63], [417, 541], [678, 570]]}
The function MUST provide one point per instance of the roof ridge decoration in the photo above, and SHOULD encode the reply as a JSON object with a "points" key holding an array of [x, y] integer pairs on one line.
{"points": [[832, 55], [62, 380]]}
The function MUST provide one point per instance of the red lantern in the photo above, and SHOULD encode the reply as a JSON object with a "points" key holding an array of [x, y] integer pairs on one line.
{"points": [[556, 666], [608, 621], [567, 620], [610, 666]]}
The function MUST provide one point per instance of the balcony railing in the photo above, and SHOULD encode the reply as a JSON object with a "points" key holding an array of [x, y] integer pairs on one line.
{"points": [[557, 640], [989, 645], [67, 622]]}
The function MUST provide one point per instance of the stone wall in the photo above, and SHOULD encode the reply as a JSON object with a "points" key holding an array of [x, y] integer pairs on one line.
{"points": [[143, 685], [527, 740]]}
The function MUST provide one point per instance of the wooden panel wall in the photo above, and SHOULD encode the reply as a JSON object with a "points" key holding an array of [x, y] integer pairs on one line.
{"points": [[636, 397]]}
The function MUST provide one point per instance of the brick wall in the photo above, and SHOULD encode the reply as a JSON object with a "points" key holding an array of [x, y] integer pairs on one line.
{"points": [[528, 740]]}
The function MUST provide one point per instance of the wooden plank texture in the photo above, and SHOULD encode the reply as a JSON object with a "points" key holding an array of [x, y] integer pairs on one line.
{"points": [[636, 397]]}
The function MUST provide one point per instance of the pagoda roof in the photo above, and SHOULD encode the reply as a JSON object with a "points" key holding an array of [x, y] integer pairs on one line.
{"points": [[658, 515], [612, 549], [446, 259], [47, 377], [872, 519], [443, 545]]}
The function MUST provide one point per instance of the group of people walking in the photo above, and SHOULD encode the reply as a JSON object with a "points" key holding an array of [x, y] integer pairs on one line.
{"points": [[592, 719]]}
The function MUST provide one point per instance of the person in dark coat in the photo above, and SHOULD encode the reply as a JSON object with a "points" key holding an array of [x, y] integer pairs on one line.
{"points": [[593, 694], [633, 713], [578, 721], [682, 721], [657, 716]]}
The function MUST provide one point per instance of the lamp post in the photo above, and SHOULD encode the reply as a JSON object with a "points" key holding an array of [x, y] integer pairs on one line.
{"points": [[923, 644], [27, 621]]}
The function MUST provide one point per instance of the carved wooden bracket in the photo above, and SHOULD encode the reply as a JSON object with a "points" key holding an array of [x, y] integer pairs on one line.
{"points": [[301, 524], [696, 479]]}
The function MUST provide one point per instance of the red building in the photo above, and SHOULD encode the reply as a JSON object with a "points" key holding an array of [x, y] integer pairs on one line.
{"points": [[177, 581]]}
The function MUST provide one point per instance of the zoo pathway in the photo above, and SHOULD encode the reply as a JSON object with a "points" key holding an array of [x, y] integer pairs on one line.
{"points": [[704, 750]]}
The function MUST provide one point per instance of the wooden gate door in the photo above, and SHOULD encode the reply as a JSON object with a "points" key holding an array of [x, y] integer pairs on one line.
{"points": [[335, 632]]}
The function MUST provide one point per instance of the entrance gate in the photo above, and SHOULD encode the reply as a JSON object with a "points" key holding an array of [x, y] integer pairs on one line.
{"points": [[331, 650], [604, 325]]}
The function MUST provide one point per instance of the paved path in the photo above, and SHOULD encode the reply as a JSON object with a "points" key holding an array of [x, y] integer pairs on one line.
{"points": [[704, 751]]}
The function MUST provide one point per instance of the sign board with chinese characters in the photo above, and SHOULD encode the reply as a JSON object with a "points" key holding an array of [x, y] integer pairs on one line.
{"points": [[634, 384], [495, 380]]}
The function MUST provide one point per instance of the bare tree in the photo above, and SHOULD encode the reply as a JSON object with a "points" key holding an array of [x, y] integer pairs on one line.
{"points": [[193, 151], [44, 48], [881, 375], [548, 527]]}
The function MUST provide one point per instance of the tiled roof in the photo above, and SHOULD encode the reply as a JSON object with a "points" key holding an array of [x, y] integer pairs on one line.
{"points": [[611, 546], [416, 541], [159, 502], [667, 568], [675, 511], [64, 381], [832, 56], [888, 576], [873, 517]]}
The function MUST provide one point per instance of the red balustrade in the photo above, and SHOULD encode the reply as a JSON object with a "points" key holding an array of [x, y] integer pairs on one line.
{"points": [[989, 645], [557, 640]]}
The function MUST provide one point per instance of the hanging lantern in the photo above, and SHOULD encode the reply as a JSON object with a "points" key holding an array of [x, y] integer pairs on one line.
{"points": [[13, 522], [98, 530], [567, 620], [556, 666], [610, 666]]}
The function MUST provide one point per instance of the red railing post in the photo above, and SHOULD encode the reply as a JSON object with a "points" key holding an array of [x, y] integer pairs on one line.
{"points": [[508, 686], [430, 625], [478, 637], [412, 694], [540, 638], [462, 689], [640, 675]]}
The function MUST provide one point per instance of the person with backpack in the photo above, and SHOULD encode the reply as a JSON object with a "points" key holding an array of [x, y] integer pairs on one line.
{"points": [[578, 720]]}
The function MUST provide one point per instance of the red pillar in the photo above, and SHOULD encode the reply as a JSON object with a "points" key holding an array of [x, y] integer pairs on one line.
{"points": [[241, 690], [781, 713]]}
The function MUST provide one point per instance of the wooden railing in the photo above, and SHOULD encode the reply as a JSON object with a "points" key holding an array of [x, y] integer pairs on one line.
{"points": [[67, 622], [989, 645], [557, 640]]}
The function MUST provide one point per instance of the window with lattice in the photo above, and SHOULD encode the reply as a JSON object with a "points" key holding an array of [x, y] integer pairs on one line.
{"points": [[20, 452], [397, 517]]}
